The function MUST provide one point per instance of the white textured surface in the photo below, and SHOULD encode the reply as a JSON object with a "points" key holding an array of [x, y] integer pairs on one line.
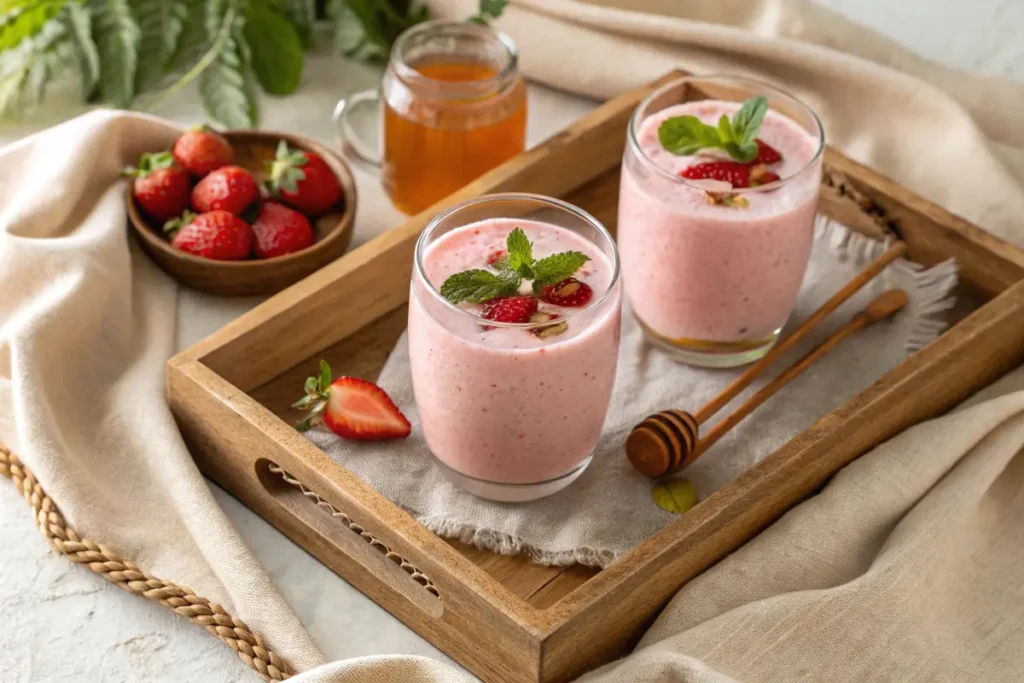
{"points": [[59, 622]]}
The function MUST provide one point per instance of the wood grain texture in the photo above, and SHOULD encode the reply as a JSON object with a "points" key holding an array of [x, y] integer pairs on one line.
{"points": [[253, 149], [503, 617]]}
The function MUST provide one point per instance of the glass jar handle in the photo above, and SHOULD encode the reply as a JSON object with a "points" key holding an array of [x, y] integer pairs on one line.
{"points": [[363, 154]]}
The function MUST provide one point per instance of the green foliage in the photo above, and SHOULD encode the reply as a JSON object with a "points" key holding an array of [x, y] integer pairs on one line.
{"points": [[131, 52], [276, 47]]}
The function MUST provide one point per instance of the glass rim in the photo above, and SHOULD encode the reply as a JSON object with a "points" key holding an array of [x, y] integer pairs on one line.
{"points": [[635, 120], [595, 302], [455, 89]]}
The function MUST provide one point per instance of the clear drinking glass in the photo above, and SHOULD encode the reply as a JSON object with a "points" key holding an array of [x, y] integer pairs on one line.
{"points": [[712, 272], [454, 107], [511, 412]]}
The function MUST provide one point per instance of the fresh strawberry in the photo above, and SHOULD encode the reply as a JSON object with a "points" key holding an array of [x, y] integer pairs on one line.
{"points": [[728, 171], [201, 150], [230, 188], [352, 408], [303, 180], [510, 309], [280, 231], [766, 154], [569, 292], [217, 235], [161, 187], [496, 256]]}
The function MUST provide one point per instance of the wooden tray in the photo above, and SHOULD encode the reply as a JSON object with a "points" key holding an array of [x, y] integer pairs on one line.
{"points": [[505, 618]]}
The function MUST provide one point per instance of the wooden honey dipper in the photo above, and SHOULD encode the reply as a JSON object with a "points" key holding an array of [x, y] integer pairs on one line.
{"points": [[668, 441]]}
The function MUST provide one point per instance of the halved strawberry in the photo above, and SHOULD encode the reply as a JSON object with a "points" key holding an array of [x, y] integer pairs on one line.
{"points": [[727, 171], [766, 154], [352, 408], [569, 292], [760, 175], [510, 309]]}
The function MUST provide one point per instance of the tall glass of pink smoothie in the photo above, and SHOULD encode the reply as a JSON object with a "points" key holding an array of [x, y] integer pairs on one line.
{"points": [[715, 228], [513, 342]]}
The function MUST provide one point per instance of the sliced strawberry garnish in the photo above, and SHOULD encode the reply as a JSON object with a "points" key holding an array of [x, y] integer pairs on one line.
{"points": [[510, 309], [496, 256], [352, 408], [569, 292], [727, 171], [766, 154]]}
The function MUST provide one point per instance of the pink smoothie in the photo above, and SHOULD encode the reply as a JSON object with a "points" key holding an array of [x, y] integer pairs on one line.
{"points": [[502, 404], [696, 271]]}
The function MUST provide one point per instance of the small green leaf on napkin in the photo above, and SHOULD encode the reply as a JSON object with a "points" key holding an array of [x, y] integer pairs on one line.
{"points": [[675, 495]]}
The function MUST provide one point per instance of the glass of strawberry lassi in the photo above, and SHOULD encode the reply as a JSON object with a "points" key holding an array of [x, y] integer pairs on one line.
{"points": [[719, 190], [514, 321]]}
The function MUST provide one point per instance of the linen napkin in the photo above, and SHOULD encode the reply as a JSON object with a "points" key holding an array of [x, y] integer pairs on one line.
{"points": [[609, 509]]}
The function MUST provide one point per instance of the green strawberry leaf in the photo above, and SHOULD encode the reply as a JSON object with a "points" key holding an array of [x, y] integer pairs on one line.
{"points": [[478, 286], [325, 376]]}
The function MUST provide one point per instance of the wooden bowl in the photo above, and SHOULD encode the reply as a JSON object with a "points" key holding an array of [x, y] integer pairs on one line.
{"points": [[333, 229]]}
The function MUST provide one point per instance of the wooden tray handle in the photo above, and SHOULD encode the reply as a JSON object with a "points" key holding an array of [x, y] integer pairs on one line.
{"points": [[349, 537]]}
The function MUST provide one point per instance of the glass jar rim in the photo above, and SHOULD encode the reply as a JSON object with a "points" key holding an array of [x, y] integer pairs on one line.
{"points": [[636, 119], [454, 89], [596, 301]]}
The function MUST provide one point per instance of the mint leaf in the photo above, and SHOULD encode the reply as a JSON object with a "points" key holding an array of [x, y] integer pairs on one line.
{"points": [[683, 135], [520, 252], [555, 268], [489, 9], [478, 286], [746, 123]]}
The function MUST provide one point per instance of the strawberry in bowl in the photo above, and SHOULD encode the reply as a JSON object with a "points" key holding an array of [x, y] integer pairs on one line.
{"points": [[209, 174]]}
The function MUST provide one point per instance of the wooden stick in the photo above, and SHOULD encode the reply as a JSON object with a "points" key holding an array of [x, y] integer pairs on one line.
{"points": [[838, 299], [668, 441]]}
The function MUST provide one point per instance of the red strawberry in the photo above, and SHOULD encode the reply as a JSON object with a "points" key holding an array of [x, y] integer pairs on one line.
{"points": [[231, 189], [728, 171], [161, 187], [496, 256], [280, 231], [201, 150], [217, 235], [510, 309], [766, 154], [568, 292], [352, 408], [303, 180]]}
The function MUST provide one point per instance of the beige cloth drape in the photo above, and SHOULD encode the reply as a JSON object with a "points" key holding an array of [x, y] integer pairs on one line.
{"points": [[907, 567]]}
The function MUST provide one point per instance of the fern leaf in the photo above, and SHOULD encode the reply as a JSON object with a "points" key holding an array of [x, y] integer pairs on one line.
{"points": [[222, 83], [117, 37], [25, 69], [161, 24], [21, 20], [83, 53]]}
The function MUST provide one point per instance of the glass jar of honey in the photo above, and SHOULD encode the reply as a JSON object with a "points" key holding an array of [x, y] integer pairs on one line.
{"points": [[454, 107]]}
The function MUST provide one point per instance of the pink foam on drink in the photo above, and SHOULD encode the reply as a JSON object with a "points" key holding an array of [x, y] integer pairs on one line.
{"points": [[502, 404], [699, 271]]}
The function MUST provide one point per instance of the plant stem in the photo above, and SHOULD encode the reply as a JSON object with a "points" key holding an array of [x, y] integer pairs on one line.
{"points": [[203, 63]]}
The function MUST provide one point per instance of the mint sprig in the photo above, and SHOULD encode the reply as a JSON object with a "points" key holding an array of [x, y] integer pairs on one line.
{"points": [[479, 286], [685, 135]]}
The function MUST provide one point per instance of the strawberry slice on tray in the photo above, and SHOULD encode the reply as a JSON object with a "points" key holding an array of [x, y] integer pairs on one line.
{"points": [[353, 408]]}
